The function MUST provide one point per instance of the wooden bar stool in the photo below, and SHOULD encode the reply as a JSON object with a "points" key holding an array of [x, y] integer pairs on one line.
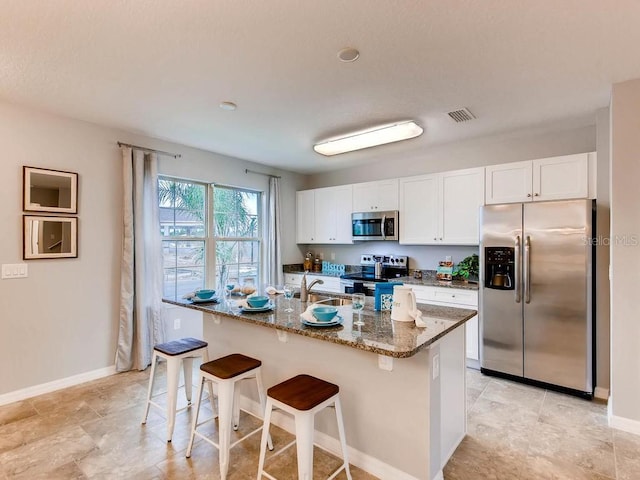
{"points": [[303, 396], [225, 372], [176, 353]]}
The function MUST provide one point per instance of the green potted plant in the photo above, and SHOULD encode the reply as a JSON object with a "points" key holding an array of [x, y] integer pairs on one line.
{"points": [[468, 269]]}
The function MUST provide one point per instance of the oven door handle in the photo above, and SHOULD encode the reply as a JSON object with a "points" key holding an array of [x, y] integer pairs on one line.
{"points": [[384, 221]]}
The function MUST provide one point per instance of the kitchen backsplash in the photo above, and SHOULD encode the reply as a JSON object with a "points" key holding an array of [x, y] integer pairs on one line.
{"points": [[422, 257]]}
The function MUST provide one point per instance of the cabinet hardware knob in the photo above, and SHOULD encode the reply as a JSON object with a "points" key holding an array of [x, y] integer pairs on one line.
{"points": [[440, 238], [528, 194], [435, 238], [536, 195]]}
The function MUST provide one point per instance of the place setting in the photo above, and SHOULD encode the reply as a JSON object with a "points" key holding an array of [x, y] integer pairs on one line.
{"points": [[322, 316], [201, 296], [255, 304]]}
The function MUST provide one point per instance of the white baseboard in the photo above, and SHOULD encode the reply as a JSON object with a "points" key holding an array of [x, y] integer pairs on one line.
{"points": [[48, 387], [601, 394], [624, 424], [361, 460]]}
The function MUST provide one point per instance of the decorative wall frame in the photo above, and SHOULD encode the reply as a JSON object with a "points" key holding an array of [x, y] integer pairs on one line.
{"points": [[49, 237], [52, 191]]}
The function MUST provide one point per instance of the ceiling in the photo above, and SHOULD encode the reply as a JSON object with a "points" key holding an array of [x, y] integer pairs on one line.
{"points": [[161, 68]]}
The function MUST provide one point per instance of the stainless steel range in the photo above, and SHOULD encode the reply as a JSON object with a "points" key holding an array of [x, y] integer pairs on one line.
{"points": [[375, 269]]}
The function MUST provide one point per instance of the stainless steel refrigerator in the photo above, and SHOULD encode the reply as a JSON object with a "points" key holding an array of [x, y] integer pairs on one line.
{"points": [[536, 292]]}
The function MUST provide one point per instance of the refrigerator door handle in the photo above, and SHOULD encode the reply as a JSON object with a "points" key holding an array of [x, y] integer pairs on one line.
{"points": [[517, 279], [527, 270]]}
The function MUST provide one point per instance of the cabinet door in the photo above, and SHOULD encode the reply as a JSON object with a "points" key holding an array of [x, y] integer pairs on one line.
{"points": [[375, 196], [343, 197], [387, 195], [364, 197], [559, 178], [462, 196], [508, 183], [324, 215], [305, 215], [419, 207]]}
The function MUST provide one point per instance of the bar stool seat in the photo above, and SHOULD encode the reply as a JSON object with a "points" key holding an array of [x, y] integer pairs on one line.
{"points": [[303, 396], [225, 372], [176, 353]]}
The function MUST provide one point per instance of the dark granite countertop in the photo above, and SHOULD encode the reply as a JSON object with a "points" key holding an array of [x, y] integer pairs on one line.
{"points": [[379, 335]]}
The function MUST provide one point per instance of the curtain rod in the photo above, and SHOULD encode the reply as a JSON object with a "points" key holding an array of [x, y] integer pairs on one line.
{"points": [[145, 149], [246, 170]]}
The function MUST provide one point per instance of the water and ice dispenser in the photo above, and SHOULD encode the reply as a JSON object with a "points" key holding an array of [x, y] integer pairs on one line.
{"points": [[499, 268]]}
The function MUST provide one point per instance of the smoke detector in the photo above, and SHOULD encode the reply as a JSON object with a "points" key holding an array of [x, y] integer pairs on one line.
{"points": [[461, 115]]}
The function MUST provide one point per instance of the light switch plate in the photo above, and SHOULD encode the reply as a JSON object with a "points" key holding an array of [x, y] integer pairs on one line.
{"points": [[14, 270]]}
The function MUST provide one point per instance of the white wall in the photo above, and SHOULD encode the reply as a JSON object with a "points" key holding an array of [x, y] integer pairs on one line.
{"points": [[61, 321], [625, 256]]}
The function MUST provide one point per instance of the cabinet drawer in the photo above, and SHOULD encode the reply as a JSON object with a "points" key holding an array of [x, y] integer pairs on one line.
{"points": [[458, 297], [292, 279]]}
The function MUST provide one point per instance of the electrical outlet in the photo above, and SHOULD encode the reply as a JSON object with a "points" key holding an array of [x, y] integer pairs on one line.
{"points": [[333, 255], [436, 366], [176, 324]]}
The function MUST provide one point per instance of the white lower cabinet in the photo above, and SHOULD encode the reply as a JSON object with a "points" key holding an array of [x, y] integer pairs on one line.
{"points": [[454, 297], [330, 284]]}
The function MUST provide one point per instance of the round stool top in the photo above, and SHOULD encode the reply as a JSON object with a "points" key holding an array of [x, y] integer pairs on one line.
{"points": [[230, 366], [178, 347], [303, 392]]}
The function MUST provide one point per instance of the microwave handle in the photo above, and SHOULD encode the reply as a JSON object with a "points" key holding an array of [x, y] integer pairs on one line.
{"points": [[384, 221]]}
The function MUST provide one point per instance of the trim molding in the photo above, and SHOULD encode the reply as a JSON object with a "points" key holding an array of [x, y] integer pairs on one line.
{"points": [[624, 424], [601, 394], [361, 460], [48, 387]]}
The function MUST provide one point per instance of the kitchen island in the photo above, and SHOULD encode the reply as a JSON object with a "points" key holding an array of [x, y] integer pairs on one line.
{"points": [[402, 387]]}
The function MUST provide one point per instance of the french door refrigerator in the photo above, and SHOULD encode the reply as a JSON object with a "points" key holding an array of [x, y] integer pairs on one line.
{"points": [[536, 292]]}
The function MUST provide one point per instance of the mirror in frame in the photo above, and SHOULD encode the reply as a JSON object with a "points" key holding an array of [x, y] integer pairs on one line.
{"points": [[50, 237], [50, 190]]}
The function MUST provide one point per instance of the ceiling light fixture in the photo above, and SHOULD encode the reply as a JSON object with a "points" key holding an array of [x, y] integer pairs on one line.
{"points": [[370, 138], [229, 106], [348, 55]]}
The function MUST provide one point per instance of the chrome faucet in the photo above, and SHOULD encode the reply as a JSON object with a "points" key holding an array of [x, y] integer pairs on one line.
{"points": [[304, 289]]}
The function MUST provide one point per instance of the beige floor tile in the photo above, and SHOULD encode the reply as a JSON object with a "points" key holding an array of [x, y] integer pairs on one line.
{"points": [[16, 411], [474, 460], [477, 380], [545, 468], [511, 393], [64, 399], [27, 430], [47, 454], [627, 452], [114, 398], [568, 446], [585, 417]]}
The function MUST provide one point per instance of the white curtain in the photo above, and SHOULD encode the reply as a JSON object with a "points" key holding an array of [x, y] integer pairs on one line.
{"points": [[274, 260], [141, 325]]}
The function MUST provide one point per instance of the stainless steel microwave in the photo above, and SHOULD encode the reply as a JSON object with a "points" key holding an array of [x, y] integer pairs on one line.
{"points": [[374, 226]]}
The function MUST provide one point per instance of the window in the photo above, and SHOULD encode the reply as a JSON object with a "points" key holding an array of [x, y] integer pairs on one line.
{"points": [[183, 229], [236, 232], [194, 254]]}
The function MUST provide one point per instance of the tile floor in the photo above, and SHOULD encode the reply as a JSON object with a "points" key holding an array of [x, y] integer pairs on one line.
{"points": [[93, 431]]}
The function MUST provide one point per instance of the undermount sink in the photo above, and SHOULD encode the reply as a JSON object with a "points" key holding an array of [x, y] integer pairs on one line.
{"points": [[317, 298]]}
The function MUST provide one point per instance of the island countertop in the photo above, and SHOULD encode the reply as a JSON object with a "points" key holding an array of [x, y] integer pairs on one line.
{"points": [[379, 335]]}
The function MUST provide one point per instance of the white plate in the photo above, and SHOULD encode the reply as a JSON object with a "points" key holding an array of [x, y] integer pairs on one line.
{"points": [[333, 323], [203, 300], [266, 308]]}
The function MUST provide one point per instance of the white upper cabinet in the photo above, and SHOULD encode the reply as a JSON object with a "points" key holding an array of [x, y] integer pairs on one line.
{"points": [[555, 178], [333, 214], [323, 215], [462, 193], [305, 216], [375, 196], [441, 208]]}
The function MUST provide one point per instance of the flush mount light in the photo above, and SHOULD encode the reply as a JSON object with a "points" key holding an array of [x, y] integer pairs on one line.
{"points": [[229, 106], [369, 138], [348, 54]]}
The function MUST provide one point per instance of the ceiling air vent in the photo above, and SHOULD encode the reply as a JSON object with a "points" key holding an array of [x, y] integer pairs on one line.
{"points": [[461, 115]]}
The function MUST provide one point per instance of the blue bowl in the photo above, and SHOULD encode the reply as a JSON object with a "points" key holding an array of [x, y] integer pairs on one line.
{"points": [[204, 294], [257, 301], [324, 314]]}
